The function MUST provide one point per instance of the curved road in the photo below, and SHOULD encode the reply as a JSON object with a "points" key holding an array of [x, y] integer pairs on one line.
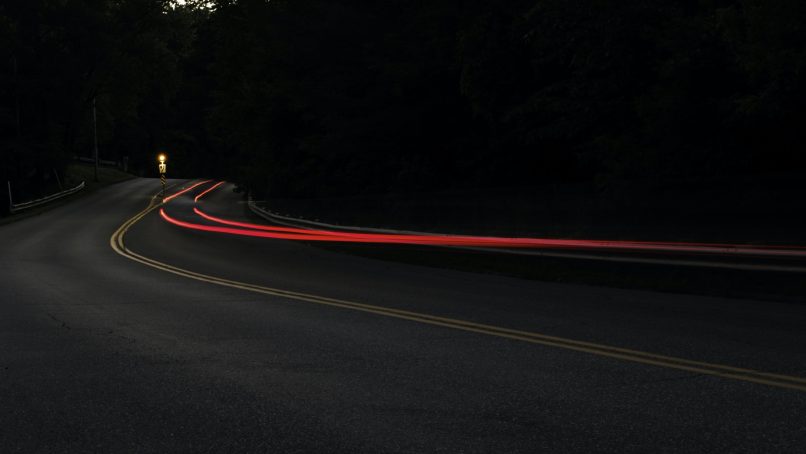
{"points": [[106, 354]]}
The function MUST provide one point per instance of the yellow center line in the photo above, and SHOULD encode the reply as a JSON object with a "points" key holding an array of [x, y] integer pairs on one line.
{"points": [[636, 356]]}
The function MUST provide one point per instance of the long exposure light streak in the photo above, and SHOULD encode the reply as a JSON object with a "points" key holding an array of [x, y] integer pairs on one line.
{"points": [[173, 196], [211, 188], [291, 233]]}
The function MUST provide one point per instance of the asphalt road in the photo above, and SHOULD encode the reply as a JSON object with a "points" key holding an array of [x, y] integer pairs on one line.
{"points": [[101, 353]]}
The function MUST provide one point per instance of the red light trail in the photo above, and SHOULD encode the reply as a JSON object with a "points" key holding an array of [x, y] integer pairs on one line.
{"points": [[292, 233], [173, 196], [208, 190]]}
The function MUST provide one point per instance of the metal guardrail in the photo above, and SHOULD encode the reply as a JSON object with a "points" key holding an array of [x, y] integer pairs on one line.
{"points": [[102, 162], [297, 222], [34, 203], [689, 262]]}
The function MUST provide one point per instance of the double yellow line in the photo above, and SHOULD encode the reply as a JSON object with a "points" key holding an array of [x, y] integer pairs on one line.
{"points": [[670, 362]]}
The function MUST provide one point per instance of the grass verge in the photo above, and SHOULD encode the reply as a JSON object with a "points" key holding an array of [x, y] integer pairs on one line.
{"points": [[75, 174]]}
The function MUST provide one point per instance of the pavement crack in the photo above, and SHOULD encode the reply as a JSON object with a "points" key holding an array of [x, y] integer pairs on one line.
{"points": [[60, 321]]}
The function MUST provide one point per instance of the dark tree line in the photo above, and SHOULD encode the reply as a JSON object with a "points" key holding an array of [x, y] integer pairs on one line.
{"points": [[322, 97], [59, 57]]}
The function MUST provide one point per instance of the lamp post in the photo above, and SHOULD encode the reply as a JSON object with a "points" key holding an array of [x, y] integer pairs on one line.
{"points": [[95, 137], [163, 168]]}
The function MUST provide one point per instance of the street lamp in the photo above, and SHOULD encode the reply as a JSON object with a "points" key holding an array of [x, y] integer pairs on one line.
{"points": [[163, 168]]}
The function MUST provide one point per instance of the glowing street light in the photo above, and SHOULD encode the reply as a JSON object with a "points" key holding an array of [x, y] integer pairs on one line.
{"points": [[163, 168]]}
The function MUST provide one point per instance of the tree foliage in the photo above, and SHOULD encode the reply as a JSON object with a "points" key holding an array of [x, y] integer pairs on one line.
{"points": [[317, 97]]}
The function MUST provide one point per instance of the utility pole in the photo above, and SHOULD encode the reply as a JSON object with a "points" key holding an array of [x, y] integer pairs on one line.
{"points": [[10, 199], [17, 99], [15, 150], [95, 136]]}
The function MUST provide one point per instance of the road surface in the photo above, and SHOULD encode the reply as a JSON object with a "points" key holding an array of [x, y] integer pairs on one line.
{"points": [[221, 343]]}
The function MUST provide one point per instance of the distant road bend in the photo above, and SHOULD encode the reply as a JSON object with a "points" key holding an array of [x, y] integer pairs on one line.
{"points": [[220, 333]]}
